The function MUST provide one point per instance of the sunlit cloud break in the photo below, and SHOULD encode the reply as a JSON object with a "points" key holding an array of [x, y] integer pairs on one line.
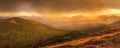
{"points": [[9, 14], [103, 12], [69, 14]]}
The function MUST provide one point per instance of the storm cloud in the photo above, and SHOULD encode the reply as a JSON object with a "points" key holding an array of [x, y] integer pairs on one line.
{"points": [[56, 5]]}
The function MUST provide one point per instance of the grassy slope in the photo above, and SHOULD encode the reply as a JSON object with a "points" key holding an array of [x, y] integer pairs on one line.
{"points": [[105, 42], [25, 33], [107, 38]]}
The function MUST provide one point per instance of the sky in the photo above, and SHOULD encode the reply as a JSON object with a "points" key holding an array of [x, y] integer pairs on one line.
{"points": [[56, 7]]}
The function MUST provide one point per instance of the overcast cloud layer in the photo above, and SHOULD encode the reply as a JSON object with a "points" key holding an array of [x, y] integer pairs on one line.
{"points": [[57, 5]]}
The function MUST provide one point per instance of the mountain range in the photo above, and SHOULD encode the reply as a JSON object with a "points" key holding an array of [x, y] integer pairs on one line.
{"points": [[29, 32], [76, 23]]}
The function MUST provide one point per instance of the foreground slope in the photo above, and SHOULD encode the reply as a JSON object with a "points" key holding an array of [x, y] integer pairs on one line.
{"points": [[21, 33], [107, 38], [108, 41]]}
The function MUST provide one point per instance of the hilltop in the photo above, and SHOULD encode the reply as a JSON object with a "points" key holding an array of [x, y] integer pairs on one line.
{"points": [[17, 32]]}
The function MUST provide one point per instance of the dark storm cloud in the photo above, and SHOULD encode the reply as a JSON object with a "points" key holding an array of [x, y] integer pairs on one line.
{"points": [[56, 5], [12, 5], [114, 3], [71, 5], [7, 5]]}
